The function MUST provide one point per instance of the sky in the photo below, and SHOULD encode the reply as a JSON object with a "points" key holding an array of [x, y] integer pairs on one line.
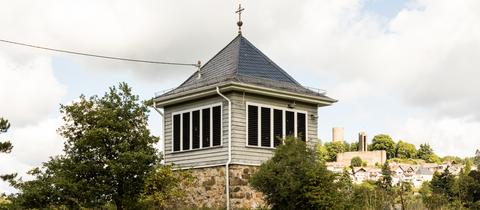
{"points": [[407, 68]]}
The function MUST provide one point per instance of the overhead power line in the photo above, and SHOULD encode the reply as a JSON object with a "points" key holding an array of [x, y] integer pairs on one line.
{"points": [[99, 56]]}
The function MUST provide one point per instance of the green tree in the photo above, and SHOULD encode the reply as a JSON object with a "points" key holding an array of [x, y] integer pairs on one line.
{"points": [[5, 147], [294, 179], [353, 147], [405, 150], [384, 142], [107, 155], [333, 148], [444, 184], [425, 152], [385, 187], [356, 162], [165, 188], [404, 191]]}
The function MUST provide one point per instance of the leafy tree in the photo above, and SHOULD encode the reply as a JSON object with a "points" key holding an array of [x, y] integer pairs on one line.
{"points": [[384, 142], [333, 148], [425, 152], [353, 147], [322, 153], [468, 167], [476, 160], [469, 189], [294, 179], [405, 150], [5, 147], [108, 154], [444, 184], [356, 162], [453, 159], [165, 188], [385, 187], [385, 182], [404, 191]]}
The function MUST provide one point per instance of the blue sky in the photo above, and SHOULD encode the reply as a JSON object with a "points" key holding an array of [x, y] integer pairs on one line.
{"points": [[390, 63]]}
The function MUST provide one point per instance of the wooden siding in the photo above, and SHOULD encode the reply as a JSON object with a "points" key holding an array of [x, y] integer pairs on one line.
{"points": [[241, 154], [216, 155]]}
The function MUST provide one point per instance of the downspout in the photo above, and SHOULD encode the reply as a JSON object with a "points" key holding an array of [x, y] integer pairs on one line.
{"points": [[163, 131], [227, 175]]}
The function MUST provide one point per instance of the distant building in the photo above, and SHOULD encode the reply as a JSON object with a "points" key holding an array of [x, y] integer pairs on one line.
{"points": [[338, 134], [370, 157], [362, 142], [477, 153]]}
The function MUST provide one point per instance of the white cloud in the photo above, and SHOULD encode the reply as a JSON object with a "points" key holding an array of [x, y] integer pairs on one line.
{"points": [[447, 136], [32, 145], [29, 90]]}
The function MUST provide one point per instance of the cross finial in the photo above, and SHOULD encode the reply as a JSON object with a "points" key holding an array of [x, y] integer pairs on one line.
{"points": [[239, 23]]}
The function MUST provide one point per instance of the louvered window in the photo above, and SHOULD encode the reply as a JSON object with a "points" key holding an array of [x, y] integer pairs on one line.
{"points": [[265, 121], [277, 127], [186, 131], [252, 125], [290, 123], [176, 133], [217, 126], [206, 127], [301, 126], [197, 129], [267, 126]]}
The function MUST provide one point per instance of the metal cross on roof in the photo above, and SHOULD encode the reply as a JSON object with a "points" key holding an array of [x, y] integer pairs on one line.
{"points": [[239, 23]]}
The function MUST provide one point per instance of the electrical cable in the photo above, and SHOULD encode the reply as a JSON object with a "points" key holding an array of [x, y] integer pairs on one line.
{"points": [[98, 56]]}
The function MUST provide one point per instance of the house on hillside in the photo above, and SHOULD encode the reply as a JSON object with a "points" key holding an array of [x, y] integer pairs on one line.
{"points": [[230, 116]]}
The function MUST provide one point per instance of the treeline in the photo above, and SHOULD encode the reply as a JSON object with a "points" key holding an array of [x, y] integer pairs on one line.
{"points": [[297, 178], [109, 161], [401, 151]]}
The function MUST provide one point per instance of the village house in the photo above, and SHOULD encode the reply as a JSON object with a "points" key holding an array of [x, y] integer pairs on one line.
{"points": [[227, 118]]}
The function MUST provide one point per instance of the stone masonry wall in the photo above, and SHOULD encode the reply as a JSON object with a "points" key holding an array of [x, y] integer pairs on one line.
{"points": [[242, 195], [208, 189]]}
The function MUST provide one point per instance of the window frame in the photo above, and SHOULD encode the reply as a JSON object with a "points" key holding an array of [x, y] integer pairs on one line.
{"points": [[272, 137], [191, 110]]}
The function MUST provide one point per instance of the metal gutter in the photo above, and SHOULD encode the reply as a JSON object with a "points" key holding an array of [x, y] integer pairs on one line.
{"points": [[227, 174]]}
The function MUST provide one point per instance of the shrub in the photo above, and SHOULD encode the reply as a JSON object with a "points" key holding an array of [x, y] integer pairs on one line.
{"points": [[294, 178]]}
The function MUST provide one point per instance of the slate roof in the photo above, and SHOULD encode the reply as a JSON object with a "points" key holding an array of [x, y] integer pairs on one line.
{"points": [[240, 61]]}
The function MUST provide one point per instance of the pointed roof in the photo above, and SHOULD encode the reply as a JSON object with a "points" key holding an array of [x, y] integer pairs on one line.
{"points": [[241, 62], [241, 58]]}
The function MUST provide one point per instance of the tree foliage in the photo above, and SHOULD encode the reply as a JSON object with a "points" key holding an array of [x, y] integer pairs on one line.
{"points": [[405, 150], [384, 142], [165, 188], [6, 146], [425, 152], [333, 148], [107, 155], [294, 179], [356, 162]]}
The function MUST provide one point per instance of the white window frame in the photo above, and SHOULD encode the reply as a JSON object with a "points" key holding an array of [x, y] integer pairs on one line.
{"points": [[272, 107], [191, 110]]}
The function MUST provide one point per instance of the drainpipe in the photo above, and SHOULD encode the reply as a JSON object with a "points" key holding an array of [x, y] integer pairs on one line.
{"points": [[227, 175], [163, 132]]}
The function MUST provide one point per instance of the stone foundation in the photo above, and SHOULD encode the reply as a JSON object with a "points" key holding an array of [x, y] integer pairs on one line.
{"points": [[208, 189]]}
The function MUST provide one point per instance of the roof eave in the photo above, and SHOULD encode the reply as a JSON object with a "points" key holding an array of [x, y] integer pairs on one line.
{"points": [[210, 90]]}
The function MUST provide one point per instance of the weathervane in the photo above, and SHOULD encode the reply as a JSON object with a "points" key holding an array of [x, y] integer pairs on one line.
{"points": [[239, 23]]}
